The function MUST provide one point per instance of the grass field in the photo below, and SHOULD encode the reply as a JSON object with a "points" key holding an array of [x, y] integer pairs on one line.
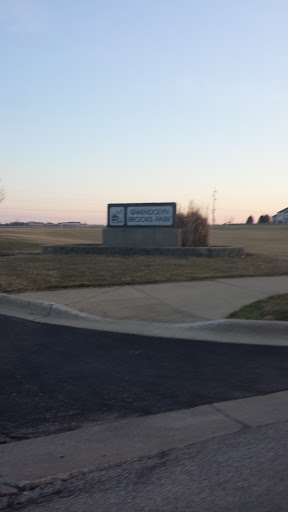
{"points": [[31, 239], [269, 240], [28, 269]]}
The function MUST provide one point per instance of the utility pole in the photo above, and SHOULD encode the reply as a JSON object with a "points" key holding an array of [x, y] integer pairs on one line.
{"points": [[214, 206]]}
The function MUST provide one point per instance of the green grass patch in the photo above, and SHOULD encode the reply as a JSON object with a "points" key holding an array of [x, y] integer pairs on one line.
{"points": [[272, 308]]}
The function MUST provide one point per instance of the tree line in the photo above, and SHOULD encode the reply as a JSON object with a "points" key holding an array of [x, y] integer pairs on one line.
{"points": [[263, 219]]}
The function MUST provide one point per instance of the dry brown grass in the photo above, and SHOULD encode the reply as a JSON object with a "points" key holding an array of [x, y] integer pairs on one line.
{"points": [[31, 239], [39, 272], [268, 239], [28, 272]]}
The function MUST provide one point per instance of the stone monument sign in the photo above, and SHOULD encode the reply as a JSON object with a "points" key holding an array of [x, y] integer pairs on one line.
{"points": [[142, 225]]}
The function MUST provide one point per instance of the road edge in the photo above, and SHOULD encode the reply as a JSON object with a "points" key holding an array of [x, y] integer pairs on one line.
{"points": [[60, 457], [257, 332]]}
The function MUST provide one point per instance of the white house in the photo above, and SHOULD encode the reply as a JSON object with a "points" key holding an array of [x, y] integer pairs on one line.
{"points": [[281, 217]]}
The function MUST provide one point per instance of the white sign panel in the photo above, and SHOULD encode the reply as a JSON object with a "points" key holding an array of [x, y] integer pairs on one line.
{"points": [[117, 216], [149, 216]]}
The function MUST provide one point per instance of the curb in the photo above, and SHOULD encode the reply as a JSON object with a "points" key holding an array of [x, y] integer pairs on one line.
{"points": [[257, 332], [101, 446], [41, 308]]}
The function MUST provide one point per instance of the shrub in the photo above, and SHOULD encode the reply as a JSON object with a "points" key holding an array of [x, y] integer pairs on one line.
{"points": [[194, 226]]}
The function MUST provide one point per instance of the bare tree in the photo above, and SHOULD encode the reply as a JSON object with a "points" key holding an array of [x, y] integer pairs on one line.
{"points": [[2, 193]]}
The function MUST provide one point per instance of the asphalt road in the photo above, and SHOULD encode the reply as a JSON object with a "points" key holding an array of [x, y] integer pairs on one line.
{"points": [[242, 472], [55, 378]]}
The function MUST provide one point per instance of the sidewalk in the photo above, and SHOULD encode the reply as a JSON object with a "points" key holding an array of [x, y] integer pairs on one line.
{"points": [[186, 302]]}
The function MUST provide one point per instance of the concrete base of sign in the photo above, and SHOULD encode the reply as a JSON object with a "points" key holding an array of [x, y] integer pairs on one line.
{"points": [[142, 237]]}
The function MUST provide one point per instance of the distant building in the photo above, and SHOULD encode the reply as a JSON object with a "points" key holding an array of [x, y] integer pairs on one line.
{"points": [[281, 217], [70, 224], [34, 224]]}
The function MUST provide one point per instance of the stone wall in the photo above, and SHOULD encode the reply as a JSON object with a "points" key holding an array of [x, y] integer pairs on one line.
{"points": [[178, 252]]}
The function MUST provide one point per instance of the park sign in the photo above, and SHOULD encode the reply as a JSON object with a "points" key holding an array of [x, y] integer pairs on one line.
{"points": [[131, 215]]}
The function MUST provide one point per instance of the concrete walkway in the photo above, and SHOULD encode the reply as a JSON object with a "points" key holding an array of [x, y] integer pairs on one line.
{"points": [[186, 302]]}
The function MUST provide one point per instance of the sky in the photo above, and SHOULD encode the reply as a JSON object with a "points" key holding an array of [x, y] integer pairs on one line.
{"points": [[143, 101]]}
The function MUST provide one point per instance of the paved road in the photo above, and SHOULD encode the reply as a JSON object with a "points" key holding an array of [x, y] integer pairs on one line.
{"points": [[55, 378], [242, 472]]}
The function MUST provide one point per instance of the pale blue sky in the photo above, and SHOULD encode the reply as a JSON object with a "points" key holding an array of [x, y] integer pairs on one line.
{"points": [[130, 101]]}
